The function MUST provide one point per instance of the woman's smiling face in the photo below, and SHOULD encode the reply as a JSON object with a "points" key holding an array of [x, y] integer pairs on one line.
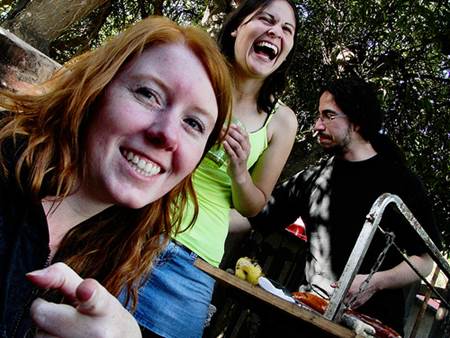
{"points": [[150, 127], [264, 39]]}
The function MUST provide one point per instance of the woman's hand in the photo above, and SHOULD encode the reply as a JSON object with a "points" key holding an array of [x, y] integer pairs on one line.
{"points": [[237, 146], [93, 312]]}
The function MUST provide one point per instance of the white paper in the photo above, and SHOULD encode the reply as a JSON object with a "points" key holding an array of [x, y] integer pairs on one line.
{"points": [[268, 286]]}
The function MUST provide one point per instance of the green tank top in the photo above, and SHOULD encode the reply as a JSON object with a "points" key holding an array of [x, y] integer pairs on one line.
{"points": [[213, 187]]}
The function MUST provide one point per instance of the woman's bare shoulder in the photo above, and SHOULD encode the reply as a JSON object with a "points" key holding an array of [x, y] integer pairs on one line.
{"points": [[284, 118]]}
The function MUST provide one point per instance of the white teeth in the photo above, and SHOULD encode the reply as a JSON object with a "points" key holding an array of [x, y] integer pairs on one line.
{"points": [[268, 45], [140, 165]]}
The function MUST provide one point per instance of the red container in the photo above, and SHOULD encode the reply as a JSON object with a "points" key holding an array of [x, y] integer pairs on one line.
{"points": [[298, 229]]}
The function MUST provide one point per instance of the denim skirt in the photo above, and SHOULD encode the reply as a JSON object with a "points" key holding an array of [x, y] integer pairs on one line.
{"points": [[174, 300]]}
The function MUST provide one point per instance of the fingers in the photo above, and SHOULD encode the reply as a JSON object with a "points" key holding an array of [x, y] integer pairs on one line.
{"points": [[42, 334], [88, 294], [57, 276], [237, 133], [236, 143], [94, 299], [97, 313], [53, 319], [64, 321]]}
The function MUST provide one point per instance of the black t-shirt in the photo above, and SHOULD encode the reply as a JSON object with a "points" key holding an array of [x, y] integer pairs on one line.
{"points": [[333, 199], [353, 189]]}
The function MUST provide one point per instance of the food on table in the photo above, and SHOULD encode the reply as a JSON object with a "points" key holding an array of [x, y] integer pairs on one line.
{"points": [[248, 269], [320, 305]]}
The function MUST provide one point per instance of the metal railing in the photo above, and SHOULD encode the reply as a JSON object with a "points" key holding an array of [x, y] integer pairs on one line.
{"points": [[335, 308]]}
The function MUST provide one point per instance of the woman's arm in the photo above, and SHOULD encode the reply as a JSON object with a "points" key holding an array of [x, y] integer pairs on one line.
{"points": [[251, 192]]}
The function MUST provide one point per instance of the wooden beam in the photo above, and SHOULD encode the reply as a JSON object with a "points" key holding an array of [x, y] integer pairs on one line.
{"points": [[291, 309]]}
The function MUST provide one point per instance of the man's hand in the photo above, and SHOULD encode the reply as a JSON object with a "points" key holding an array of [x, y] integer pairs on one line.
{"points": [[364, 296], [398, 277], [94, 312]]}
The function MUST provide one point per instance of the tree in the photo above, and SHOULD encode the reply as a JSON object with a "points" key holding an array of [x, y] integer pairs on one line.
{"points": [[39, 22], [401, 46], [64, 28]]}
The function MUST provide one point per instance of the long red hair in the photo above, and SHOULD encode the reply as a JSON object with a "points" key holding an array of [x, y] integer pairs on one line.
{"points": [[118, 246]]}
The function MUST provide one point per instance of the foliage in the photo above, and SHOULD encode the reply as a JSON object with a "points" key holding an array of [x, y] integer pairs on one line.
{"points": [[114, 17], [8, 8], [401, 46]]}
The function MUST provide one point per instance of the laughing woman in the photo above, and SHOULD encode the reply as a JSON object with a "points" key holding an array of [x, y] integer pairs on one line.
{"points": [[258, 40], [95, 172]]}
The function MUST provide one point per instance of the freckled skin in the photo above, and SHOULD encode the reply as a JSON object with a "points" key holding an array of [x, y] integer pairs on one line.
{"points": [[162, 107]]}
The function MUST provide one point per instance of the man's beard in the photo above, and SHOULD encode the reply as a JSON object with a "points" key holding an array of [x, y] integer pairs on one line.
{"points": [[339, 149]]}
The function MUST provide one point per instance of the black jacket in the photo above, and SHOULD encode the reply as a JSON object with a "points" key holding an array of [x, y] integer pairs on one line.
{"points": [[23, 248]]}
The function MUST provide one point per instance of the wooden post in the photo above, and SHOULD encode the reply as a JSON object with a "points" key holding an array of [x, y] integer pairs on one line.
{"points": [[424, 306]]}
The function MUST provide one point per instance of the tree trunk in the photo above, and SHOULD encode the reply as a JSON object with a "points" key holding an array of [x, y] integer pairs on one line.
{"points": [[214, 14], [42, 21], [158, 7], [21, 64]]}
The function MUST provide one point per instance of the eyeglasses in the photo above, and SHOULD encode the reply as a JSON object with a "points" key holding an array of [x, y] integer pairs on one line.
{"points": [[326, 116]]}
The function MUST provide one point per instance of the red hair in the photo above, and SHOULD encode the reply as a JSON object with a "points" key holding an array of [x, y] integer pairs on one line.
{"points": [[118, 246]]}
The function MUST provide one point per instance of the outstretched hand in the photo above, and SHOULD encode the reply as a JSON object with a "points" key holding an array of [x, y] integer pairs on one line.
{"points": [[93, 311]]}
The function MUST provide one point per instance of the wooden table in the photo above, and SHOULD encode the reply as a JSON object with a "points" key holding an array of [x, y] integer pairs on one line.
{"points": [[292, 309]]}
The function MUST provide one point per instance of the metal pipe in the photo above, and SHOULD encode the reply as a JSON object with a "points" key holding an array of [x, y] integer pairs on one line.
{"points": [[336, 307]]}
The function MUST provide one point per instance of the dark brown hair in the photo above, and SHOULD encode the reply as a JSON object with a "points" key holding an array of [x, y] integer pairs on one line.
{"points": [[275, 83]]}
